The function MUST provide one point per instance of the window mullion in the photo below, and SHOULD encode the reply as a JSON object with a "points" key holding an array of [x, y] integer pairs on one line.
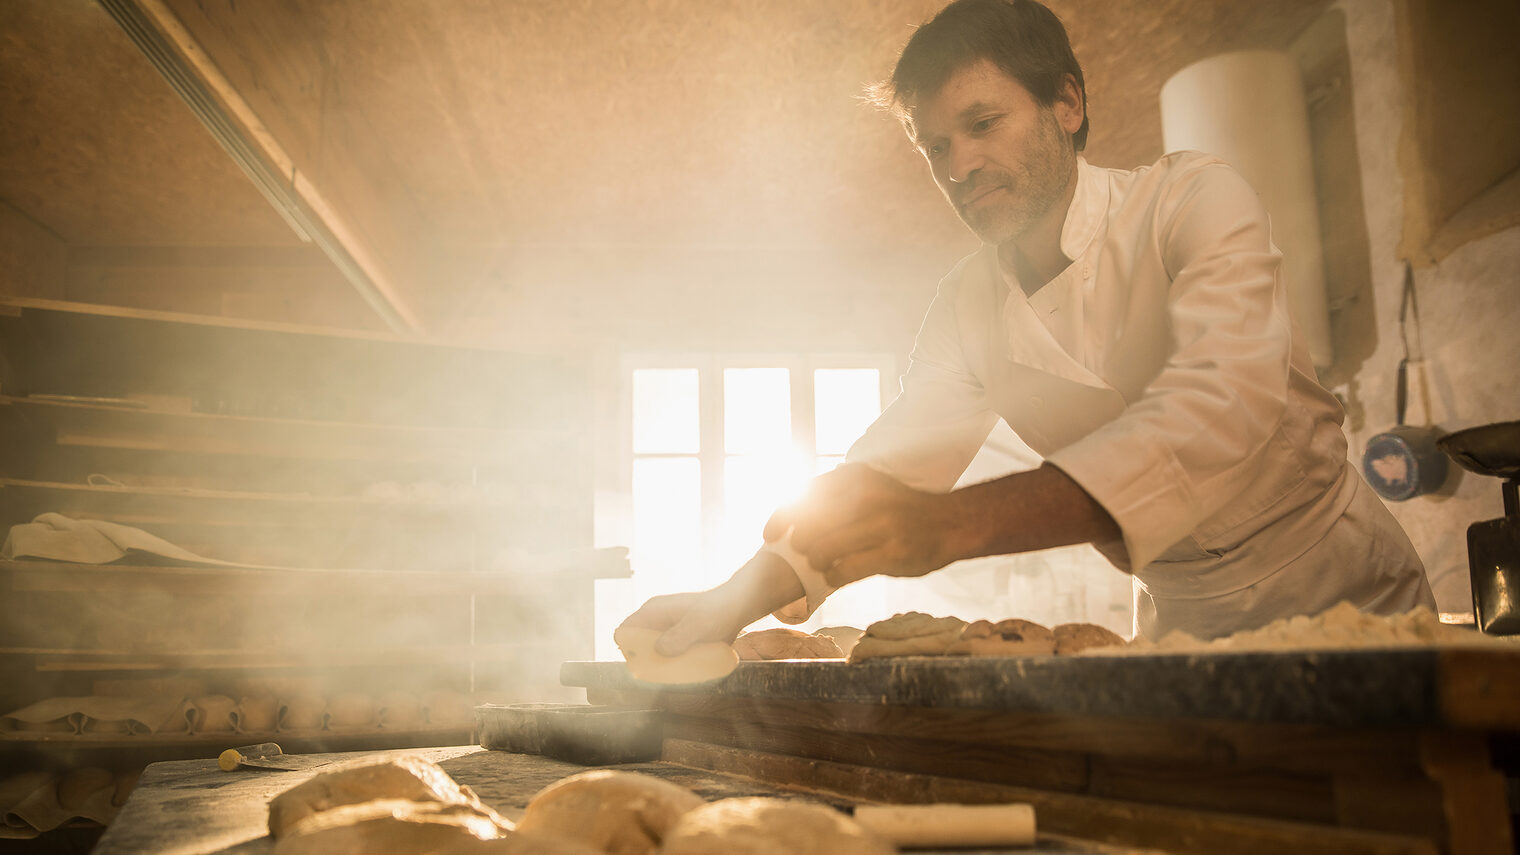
{"points": [[804, 431], [711, 455]]}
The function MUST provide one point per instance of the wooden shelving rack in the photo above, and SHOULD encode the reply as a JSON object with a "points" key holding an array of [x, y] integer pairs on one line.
{"points": [[382, 499]]}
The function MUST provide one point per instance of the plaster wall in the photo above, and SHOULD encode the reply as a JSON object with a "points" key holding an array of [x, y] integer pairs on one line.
{"points": [[1469, 311], [32, 259]]}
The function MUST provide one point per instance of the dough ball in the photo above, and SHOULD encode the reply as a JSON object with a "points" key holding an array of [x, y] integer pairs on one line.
{"points": [[908, 634], [1077, 637], [704, 661], [844, 636], [405, 777], [1010, 637], [761, 826], [392, 826], [783, 643], [620, 813]]}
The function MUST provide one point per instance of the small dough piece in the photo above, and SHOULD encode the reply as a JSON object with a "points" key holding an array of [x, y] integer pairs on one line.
{"points": [[620, 813], [703, 661], [1010, 637], [908, 634], [784, 643], [762, 826], [405, 777], [392, 826], [1077, 637]]}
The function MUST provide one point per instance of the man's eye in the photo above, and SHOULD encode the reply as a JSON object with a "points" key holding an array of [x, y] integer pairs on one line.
{"points": [[982, 126], [934, 150]]}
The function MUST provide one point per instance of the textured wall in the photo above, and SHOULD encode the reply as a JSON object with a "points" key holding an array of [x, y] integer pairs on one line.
{"points": [[1469, 312], [32, 259]]}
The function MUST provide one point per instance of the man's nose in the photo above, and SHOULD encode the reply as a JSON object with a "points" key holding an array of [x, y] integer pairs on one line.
{"points": [[964, 161]]}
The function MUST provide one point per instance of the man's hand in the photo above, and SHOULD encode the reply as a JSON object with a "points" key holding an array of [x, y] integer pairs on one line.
{"points": [[855, 522], [765, 583], [685, 619]]}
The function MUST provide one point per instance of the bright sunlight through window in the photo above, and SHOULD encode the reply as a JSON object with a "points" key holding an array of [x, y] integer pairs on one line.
{"points": [[705, 475]]}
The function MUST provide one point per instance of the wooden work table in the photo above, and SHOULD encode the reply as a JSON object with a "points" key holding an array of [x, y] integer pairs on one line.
{"points": [[1389, 751], [193, 808], [1378, 752]]}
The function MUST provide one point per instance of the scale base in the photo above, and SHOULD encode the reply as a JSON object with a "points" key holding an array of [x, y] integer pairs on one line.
{"points": [[1493, 558]]}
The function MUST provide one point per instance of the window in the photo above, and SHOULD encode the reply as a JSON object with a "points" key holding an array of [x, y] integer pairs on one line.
{"points": [[713, 445]]}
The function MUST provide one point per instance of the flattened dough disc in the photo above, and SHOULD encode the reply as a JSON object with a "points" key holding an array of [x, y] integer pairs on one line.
{"points": [[708, 660]]}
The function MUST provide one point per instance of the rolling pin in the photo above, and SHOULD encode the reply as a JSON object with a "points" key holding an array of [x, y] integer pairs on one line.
{"points": [[949, 825]]}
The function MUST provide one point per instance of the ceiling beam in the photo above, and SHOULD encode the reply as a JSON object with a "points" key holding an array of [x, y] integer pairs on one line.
{"points": [[375, 267]]}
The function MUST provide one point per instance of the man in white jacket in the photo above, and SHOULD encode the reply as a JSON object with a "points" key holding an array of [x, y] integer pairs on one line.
{"points": [[1132, 328]]}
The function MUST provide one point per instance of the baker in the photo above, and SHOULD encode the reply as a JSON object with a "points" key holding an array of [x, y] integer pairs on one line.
{"points": [[1132, 328]]}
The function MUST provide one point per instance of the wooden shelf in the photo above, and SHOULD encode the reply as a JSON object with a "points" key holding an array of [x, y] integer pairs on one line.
{"points": [[58, 576], [292, 742], [187, 505], [96, 425], [47, 659], [292, 450]]}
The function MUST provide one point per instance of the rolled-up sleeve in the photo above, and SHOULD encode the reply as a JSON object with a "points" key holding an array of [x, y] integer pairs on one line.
{"points": [[1199, 433]]}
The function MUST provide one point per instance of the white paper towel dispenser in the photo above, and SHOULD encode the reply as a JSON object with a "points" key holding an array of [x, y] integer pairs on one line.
{"points": [[1248, 108]]}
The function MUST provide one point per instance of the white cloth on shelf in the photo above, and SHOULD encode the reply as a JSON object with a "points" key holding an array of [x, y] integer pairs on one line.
{"points": [[55, 537]]}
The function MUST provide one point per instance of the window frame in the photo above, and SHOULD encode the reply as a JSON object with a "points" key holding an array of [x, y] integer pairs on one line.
{"points": [[711, 453]]}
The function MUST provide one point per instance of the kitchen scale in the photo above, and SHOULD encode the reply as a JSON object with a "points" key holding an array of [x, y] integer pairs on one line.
{"points": [[1493, 546]]}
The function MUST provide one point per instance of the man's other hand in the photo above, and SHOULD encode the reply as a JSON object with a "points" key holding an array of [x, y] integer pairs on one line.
{"points": [[855, 522]]}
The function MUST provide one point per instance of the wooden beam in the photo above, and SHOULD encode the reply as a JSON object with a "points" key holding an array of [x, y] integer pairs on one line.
{"points": [[352, 236]]}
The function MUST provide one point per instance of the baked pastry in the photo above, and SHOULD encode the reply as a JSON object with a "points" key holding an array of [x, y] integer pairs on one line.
{"points": [[1010, 637]]}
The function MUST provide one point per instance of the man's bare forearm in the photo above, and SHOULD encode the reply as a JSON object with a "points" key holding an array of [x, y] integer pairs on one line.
{"points": [[764, 583], [1024, 512]]}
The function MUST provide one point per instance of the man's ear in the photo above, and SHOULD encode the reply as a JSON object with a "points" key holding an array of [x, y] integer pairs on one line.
{"points": [[1069, 107]]}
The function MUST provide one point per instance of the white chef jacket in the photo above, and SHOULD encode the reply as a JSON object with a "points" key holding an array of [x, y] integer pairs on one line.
{"points": [[1159, 371]]}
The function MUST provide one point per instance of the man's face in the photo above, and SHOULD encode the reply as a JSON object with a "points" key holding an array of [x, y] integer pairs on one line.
{"points": [[1001, 158]]}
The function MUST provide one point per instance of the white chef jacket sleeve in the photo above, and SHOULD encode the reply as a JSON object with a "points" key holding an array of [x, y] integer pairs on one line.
{"points": [[927, 436], [1198, 434]]}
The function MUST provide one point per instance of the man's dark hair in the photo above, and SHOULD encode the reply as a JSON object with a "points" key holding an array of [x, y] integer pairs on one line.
{"points": [[1021, 37]]}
